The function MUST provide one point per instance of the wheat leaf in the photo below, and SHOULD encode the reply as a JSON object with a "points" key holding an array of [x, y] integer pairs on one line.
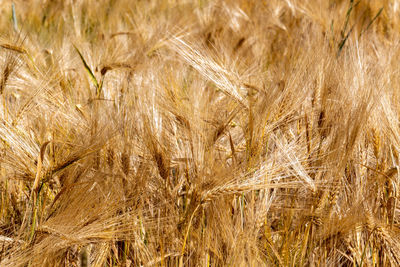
{"points": [[14, 18], [89, 71]]}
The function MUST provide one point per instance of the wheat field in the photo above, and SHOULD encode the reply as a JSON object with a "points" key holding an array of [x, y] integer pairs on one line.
{"points": [[200, 133]]}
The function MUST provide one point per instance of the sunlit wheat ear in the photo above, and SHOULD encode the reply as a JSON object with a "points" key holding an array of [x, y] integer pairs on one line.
{"points": [[39, 167], [12, 63], [227, 80]]}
